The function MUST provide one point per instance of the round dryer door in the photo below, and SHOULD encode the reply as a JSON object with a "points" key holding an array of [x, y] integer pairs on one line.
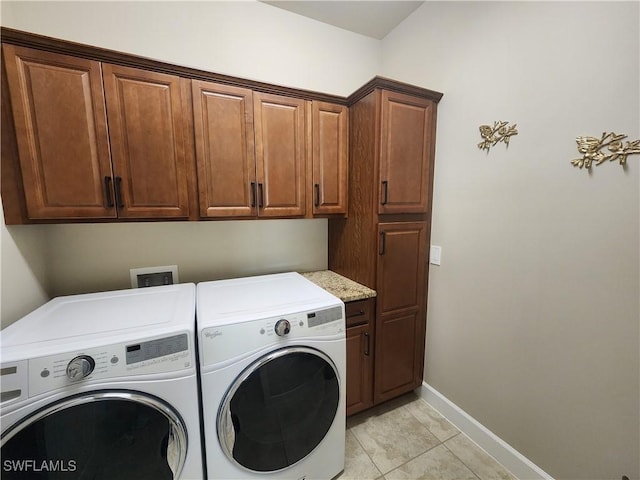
{"points": [[279, 409], [97, 435]]}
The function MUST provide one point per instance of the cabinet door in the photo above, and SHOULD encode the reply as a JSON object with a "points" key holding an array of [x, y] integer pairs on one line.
{"points": [[147, 132], [359, 345], [401, 309], [399, 355], [401, 266], [330, 153], [223, 119], [405, 150], [61, 132], [280, 154]]}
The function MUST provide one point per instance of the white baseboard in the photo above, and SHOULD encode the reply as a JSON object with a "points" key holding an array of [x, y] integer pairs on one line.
{"points": [[514, 461]]}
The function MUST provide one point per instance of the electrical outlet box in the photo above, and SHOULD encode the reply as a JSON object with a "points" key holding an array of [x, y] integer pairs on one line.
{"points": [[153, 276]]}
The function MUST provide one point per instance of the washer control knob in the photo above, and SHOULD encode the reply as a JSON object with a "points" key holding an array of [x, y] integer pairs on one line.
{"points": [[80, 367], [282, 327]]}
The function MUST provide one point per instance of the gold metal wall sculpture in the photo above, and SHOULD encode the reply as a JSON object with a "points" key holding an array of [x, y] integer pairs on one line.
{"points": [[498, 133], [590, 148]]}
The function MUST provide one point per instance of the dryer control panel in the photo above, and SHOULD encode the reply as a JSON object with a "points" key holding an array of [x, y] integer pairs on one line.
{"points": [[157, 355], [224, 342]]}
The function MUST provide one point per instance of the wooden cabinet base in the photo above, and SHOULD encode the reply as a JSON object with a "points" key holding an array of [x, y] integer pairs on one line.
{"points": [[360, 349]]}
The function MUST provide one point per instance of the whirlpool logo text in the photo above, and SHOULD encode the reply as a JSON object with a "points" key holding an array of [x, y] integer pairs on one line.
{"points": [[212, 334]]}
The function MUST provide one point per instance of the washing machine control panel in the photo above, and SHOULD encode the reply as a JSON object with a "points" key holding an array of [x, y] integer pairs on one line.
{"points": [[157, 355], [224, 342]]}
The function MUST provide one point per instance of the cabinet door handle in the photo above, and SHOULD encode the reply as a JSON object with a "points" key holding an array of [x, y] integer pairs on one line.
{"points": [[383, 242], [253, 194], [118, 186], [261, 195], [359, 314], [317, 189], [367, 344], [107, 191], [385, 192]]}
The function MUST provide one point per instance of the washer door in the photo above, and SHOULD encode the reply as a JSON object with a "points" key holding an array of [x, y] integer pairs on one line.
{"points": [[279, 409], [111, 435]]}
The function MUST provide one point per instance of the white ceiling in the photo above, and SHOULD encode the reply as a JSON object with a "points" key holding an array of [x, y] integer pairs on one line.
{"points": [[371, 18]]}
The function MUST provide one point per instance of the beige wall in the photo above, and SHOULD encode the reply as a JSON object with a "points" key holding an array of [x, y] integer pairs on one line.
{"points": [[23, 270], [246, 39], [533, 317], [242, 38], [98, 257]]}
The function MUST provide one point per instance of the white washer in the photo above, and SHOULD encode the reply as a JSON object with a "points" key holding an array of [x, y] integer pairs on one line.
{"points": [[273, 371], [103, 386]]}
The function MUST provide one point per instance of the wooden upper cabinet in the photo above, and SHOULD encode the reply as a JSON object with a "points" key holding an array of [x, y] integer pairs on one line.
{"points": [[330, 154], [250, 150], [280, 142], [94, 134], [405, 152], [223, 121], [61, 132], [147, 119]]}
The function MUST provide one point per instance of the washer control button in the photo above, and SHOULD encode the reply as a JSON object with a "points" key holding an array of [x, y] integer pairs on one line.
{"points": [[44, 373], [283, 327], [114, 359], [80, 367]]}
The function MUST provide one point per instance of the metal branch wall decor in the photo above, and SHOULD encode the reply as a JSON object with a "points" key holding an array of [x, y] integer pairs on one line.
{"points": [[590, 148], [498, 133]]}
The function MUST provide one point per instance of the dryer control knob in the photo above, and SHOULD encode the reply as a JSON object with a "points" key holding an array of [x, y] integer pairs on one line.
{"points": [[80, 367], [282, 327]]}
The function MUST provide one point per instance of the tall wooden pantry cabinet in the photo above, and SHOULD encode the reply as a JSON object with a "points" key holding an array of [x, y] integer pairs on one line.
{"points": [[383, 242]]}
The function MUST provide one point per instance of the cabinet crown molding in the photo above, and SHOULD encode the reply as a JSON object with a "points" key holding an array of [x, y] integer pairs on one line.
{"points": [[55, 45], [384, 83]]}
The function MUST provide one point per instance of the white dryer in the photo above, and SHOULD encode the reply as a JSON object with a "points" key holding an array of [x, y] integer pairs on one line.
{"points": [[273, 370], [103, 386]]}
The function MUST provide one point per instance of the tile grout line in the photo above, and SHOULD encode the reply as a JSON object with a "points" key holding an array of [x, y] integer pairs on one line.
{"points": [[459, 459], [439, 443], [442, 442], [365, 451], [427, 450], [516, 464], [484, 451], [467, 436]]}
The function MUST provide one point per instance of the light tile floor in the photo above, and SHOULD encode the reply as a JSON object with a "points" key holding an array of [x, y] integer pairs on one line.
{"points": [[407, 439]]}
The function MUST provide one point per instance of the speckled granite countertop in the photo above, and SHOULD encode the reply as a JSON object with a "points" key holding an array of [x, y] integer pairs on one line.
{"points": [[345, 289]]}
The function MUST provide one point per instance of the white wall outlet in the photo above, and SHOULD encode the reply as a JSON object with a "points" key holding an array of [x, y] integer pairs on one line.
{"points": [[153, 276], [435, 254]]}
